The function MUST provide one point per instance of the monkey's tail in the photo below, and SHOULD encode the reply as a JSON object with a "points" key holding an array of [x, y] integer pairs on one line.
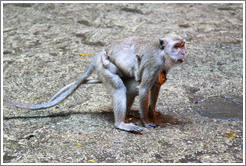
{"points": [[65, 88], [62, 93]]}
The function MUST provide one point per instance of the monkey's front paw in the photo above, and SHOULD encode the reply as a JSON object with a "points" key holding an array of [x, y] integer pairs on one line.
{"points": [[150, 125]]}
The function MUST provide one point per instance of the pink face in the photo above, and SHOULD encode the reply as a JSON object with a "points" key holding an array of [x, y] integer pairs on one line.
{"points": [[180, 51]]}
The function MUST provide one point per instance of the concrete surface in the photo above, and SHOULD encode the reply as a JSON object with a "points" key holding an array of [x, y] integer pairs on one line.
{"points": [[41, 47]]}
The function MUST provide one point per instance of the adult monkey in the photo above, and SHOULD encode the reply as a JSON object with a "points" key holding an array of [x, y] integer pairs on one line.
{"points": [[141, 62]]}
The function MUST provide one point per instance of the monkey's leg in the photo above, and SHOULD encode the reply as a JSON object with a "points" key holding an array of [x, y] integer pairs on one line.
{"points": [[144, 96], [117, 89]]}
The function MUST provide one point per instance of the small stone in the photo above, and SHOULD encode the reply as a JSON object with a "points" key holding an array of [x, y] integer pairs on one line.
{"points": [[84, 22], [189, 142], [80, 35], [132, 10], [183, 25], [7, 52], [220, 63], [36, 32], [61, 46], [53, 53]]}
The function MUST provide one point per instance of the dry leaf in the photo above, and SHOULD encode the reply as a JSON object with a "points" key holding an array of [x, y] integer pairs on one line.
{"points": [[79, 144], [85, 54], [230, 135]]}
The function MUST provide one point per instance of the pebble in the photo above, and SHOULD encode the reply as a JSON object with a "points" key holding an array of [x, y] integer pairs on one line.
{"points": [[189, 142], [62, 46], [184, 25], [53, 53], [7, 52]]}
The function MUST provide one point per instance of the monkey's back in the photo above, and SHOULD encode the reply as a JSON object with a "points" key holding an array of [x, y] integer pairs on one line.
{"points": [[125, 50]]}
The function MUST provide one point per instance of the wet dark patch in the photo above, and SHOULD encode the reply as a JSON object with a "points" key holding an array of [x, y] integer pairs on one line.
{"points": [[224, 108]]}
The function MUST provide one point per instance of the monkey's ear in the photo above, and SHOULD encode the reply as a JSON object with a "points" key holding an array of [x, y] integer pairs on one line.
{"points": [[162, 43]]}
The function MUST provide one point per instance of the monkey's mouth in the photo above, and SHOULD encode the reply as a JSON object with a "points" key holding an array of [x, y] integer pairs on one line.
{"points": [[180, 60]]}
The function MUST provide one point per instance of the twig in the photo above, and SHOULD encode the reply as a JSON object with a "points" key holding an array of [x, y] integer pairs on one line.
{"points": [[8, 30]]}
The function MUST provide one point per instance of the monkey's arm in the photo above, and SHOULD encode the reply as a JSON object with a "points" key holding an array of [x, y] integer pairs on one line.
{"points": [[154, 95], [144, 96]]}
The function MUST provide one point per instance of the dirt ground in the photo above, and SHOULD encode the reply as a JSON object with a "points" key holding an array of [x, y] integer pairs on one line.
{"points": [[41, 47]]}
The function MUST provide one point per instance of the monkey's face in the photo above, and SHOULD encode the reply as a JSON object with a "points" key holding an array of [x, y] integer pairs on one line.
{"points": [[175, 48]]}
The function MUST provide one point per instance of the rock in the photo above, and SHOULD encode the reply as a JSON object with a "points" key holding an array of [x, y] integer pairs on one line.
{"points": [[7, 52], [97, 43], [84, 22], [220, 63], [189, 142], [131, 10], [53, 53], [190, 89], [184, 25], [81, 35], [61, 46]]}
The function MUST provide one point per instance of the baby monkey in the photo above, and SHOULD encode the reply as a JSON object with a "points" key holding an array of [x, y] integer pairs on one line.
{"points": [[107, 64]]}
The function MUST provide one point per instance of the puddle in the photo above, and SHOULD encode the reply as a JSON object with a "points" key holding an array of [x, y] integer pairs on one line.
{"points": [[223, 108]]}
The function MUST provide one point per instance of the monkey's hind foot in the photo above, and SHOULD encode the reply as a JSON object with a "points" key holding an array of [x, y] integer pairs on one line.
{"points": [[128, 127]]}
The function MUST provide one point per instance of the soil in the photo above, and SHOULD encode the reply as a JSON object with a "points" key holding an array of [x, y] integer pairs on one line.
{"points": [[42, 44]]}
